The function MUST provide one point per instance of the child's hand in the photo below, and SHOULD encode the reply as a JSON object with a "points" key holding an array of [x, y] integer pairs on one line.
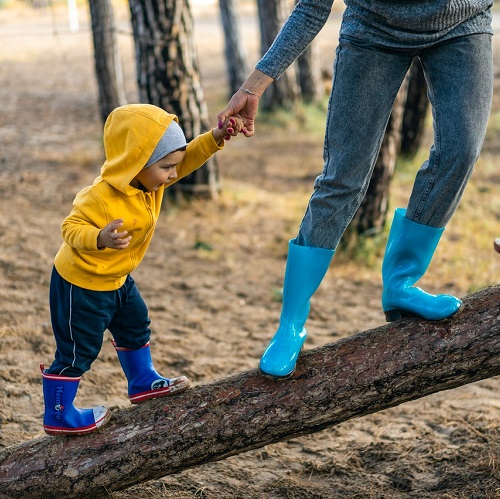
{"points": [[109, 237], [232, 127]]}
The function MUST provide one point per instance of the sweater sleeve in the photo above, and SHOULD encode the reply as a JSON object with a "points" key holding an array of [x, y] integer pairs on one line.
{"points": [[304, 23], [79, 229]]}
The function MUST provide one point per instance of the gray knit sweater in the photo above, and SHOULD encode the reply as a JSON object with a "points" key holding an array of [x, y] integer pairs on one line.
{"points": [[401, 24]]}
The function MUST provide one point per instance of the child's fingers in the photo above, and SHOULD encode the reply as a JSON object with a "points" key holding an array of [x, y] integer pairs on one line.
{"points": [[122, 242], [238, 124], [234, 126], [114, 224], [119, 235]]}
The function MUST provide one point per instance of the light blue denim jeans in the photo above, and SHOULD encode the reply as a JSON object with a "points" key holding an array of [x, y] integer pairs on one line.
{"points": [[366, 80]]}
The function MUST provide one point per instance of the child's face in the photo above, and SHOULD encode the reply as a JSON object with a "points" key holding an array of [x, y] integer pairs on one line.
{"points": [[159, 173]]}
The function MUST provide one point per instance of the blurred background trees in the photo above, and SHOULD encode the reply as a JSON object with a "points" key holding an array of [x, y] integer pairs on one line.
{"points": [[234, 48], [108, 67]]}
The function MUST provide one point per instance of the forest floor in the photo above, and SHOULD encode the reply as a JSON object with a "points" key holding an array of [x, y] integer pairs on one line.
{"points": [[213, 273]]}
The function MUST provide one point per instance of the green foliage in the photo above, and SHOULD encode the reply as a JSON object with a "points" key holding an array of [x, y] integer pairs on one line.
{"points": [[202, 245]]}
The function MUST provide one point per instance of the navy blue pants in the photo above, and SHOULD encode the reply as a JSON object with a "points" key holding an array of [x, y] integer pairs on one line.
{"points": [[80, 316]]}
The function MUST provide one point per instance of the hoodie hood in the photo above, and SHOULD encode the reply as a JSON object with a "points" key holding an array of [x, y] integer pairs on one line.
{"points": [[131, 134]]}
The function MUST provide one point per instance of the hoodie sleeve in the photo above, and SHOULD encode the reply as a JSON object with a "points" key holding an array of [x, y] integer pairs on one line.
{"points": [[81, 228], [198, 151]]}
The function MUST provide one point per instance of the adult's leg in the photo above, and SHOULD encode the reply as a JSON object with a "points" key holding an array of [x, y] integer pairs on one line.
{"points": [[365, 84], [459, 75], [460, 80]]}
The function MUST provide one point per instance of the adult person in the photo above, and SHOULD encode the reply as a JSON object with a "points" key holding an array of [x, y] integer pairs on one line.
{"points": [[378, 41]]}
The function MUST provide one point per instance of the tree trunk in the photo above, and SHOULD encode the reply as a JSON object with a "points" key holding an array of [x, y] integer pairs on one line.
{"points": [[415, 112], [108, 66], [233, 48], [358, 375], [285, 91], [309, 71], [372, 213], [169, 77]]}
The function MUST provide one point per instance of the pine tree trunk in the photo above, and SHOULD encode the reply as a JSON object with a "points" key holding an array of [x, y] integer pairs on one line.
{"points": [[284, 92], [233, 48], [415, 113], [356, 376], [108, 66], [309, 71], [168, 76]]}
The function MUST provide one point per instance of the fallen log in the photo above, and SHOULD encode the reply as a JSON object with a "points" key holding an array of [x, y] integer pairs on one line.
{"points": [[355, 376]]}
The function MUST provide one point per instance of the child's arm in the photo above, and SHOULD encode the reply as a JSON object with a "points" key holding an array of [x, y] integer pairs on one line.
{"points": [[81, 229], [203, 147]]}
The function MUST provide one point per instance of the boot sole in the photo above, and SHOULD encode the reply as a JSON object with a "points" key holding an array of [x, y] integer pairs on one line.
{"points": [[274, 377], [155, 394], [396, 314], [76, 432]]}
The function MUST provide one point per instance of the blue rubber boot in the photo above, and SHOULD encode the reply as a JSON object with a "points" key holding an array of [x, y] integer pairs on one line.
{"points": [[305, 269], [144, 382], [61, 416], [408, 254]]}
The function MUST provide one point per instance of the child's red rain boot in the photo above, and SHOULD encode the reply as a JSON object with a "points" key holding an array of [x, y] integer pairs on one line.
{"points": [[61, 416], [144, 382]]}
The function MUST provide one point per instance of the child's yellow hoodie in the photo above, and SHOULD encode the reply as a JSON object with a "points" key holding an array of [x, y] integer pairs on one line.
{"points": [[131, 134]]}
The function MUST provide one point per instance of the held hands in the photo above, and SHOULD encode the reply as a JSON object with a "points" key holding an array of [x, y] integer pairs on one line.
{"points": [[244, 106], [230, 128], [109, 237]]}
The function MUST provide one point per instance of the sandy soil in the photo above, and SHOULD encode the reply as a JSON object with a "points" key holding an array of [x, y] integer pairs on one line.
{"points": [[211, 279]]}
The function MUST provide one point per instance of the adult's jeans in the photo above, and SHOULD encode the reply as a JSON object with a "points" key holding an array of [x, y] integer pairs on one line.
{"points": [[367, 78]]}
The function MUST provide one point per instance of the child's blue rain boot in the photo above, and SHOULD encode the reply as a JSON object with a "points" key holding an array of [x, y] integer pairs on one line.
{"points": [[408, 254], [61, 416], [144, 382], [306, 266]]}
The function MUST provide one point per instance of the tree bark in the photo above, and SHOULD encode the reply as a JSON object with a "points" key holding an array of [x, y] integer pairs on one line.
{"points": [[358, 375], [168, 76], [107, 59], [234, 49], [309, 70], [285, 91], [309, 73], [415, 111]]}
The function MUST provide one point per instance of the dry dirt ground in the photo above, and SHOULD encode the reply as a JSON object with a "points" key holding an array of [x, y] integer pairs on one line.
{"points": [[211, 278]]}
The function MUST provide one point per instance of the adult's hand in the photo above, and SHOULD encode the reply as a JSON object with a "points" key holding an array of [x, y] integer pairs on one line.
{"points": [[244, 106]]}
